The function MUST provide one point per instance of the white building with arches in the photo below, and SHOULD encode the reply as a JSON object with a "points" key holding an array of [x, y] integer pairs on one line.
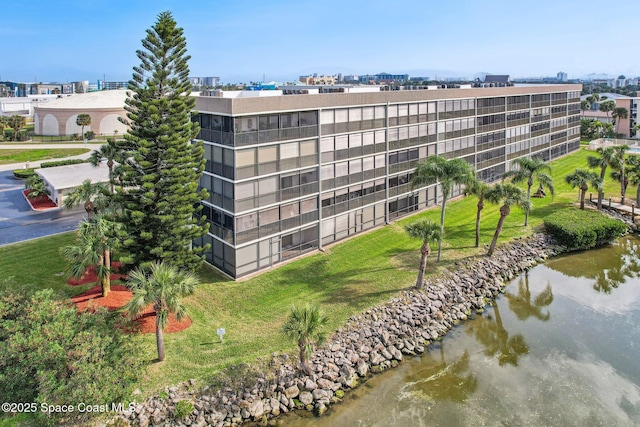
{"points": [[58, 117]]}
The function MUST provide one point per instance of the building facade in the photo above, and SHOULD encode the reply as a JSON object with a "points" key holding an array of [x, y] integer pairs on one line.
{"points": [[289, 174]]}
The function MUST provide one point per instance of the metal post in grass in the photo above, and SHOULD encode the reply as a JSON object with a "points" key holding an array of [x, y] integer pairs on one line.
{"points": [[609, 201], [633, 212], [590, 198]]}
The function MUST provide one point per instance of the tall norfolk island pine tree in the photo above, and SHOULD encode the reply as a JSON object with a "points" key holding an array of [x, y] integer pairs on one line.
{"points": [[158, 183]]}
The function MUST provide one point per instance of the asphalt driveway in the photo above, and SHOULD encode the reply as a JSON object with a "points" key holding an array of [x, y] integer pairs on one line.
{"points": [[18, 222]]}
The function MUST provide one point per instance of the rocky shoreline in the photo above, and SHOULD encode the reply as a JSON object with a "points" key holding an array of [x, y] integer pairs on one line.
{"points": [[372, 342]]}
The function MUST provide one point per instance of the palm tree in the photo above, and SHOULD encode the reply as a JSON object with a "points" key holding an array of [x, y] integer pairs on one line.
{"points": [[530, 169], [83, 120], [110, 152], [618, 165], [509, 195], [479, 189], [4, 123], [88, 194], [582, 179], [164, 286], [305, 325], [448, 173], [607, 157], [633, 172], [593, 98], [38, 188], [607, 107], [619, 113], [93, 249], [17, 122], [585, 105], [427, 231]]}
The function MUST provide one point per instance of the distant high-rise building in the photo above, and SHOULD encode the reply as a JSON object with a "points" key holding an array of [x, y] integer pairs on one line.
{"points": [[562, 76], [205, 81]]}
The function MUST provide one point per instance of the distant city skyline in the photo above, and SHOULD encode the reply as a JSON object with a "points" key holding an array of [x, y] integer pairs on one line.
{"points": [[243, 41]]}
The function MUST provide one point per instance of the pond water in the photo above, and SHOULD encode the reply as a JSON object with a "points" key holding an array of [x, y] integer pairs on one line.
{"points": [[560, 348]]}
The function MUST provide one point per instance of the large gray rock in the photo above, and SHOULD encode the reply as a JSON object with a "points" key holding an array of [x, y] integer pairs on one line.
{"points": [[306, 398], [292, 392]]}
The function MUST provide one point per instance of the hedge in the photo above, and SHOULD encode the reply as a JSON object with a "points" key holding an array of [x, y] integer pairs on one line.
{"points": [[23, 173], [62, 163], [26, 173], [578, 229]]}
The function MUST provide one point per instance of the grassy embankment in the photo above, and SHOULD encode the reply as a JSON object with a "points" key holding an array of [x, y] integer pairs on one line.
{"points": [[8, 156], [349, 278]]}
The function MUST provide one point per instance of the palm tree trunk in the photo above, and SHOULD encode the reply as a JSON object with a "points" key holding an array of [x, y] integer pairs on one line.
{"points": [[638, 197], [159, 338], [497, 233], [303, 361], [601, 191], [423, 265], [582, 194], [623, 184], [444, 203], [526, 211], [478, 214]]}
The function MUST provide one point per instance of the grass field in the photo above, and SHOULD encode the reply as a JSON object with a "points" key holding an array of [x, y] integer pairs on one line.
{"points": [[350, 277], [9, 155]]}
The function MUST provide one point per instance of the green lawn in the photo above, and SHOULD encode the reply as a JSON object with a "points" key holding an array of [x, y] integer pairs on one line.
{"points": [[8, 156], [350, 277]]}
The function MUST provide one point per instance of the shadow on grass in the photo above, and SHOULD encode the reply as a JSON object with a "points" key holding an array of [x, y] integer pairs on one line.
{"points": [[353, 286]]}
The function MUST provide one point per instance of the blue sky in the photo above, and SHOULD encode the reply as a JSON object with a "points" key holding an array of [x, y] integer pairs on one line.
{"points": [[242, 40]]}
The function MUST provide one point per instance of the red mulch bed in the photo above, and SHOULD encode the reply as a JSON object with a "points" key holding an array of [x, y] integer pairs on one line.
{"points": [[118, 297], [90, 275], [39, 203]]}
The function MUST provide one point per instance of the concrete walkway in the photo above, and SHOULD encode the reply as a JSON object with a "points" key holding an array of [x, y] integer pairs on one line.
{"points": [[36, 145]]}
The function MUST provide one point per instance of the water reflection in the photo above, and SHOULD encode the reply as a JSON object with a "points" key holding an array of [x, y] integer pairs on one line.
{"points": [[522, 305], [608, 267], [495, 339], [566, 349], [439, 380]]}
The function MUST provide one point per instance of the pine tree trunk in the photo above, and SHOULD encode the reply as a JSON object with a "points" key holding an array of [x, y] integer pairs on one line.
{"points": [[159, 338], [106, 282]]}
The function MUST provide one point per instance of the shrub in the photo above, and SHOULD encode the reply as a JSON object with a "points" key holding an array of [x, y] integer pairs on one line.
{"points": [[23, 173], [184, 408], [90, 135], [49, 352], [583, 229], [62, 163]]}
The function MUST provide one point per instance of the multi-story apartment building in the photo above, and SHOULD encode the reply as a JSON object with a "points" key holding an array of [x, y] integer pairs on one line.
{"points": [[289, 174]]}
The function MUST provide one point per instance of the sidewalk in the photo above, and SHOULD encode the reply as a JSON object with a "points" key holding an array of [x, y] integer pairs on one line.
{"points": [[35, 164]]}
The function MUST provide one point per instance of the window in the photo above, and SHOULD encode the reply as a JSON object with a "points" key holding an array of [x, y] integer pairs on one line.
{"points": [[245, 158], [269, 122], [289, 120], [268, 154], [288, 151]]}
